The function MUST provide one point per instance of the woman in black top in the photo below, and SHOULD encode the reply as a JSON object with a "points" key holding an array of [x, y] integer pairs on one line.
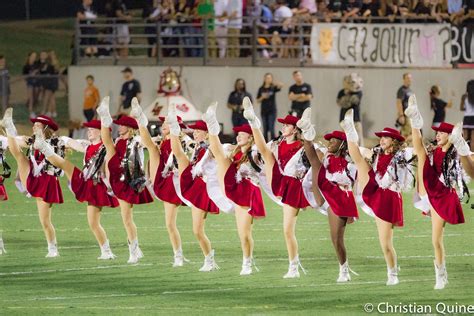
{"points": [[234, 102], [30, 70], [438, 105], [266, 97]]}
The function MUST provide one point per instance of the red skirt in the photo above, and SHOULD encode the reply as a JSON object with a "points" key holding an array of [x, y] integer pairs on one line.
{"points": [[444, 200], [45, 187], [386, 204], [164, 188], [3, 191], [121, 189], [288, 188], [86, 191], [244, 193], [342, 202], [195, 191]]}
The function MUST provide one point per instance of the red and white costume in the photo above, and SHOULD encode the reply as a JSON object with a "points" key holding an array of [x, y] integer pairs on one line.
{"points": [[128, 154], [335, 180], [242, 180], [390, 176], [443, 195], [199, 184]]}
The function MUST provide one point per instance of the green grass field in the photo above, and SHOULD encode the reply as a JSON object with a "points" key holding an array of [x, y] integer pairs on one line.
{"points": [[77, 283]]}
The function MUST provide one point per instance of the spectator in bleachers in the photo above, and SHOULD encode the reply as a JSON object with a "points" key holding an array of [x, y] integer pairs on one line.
{"points": [[91, 98], [282, 12], [131, 88], [456, 10], [300, 94], [151, 14], [183, 17], [118, 10], [30, 70], [86, 14], [4, 83], [234, 26], [206, 11], [350, 9], [234, 102], [370, 8], [305, 9], [220, 22], [422, 11], [334, 11]]}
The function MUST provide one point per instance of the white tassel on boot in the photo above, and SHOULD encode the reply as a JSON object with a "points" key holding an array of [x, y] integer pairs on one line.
{"points": [[305, 125], [106, 252], [209, 263], [7, 123], [413, 113], [458, 141]]}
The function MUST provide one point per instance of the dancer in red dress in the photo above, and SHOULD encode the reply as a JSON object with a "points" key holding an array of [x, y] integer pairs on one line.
{"points": [[334, 175], [125, 171], [285, 166], [39, 178], [239, 172], [6, 172], [442, 181], [88, 185], [162, 171], [380, 183], [198, 182]]}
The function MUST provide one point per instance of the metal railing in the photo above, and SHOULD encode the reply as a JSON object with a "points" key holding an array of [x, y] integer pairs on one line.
{"points": [[163, 42]]}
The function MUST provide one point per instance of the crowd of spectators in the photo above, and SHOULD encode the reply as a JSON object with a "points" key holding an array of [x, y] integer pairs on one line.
{"points": [[283, 25]]}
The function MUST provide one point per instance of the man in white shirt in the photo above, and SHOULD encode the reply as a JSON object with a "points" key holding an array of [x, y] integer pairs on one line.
{"points": [[282, 12], [220, 9], [234, 12]]}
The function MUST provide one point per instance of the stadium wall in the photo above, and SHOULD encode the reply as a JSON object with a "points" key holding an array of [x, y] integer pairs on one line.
{"points": [[202, 85]]}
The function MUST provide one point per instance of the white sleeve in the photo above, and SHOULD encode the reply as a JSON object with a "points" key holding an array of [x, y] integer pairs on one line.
{"points": [[79, 145]]}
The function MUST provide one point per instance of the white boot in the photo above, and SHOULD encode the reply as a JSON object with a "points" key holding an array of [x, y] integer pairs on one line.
{"points": [[104, 112], [209, 263], [392, 275], [441, 276], [211, 119], [40, 144], [7, 123], [348, 126], [179, 259], [249, 113], [2, 246], [135, 252], [344, 273], [137, 113], [52, 250], [458, 141], [413, 113], [305, 125], [106, 252], [293, 269], [172, 120], [246, 266]]}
